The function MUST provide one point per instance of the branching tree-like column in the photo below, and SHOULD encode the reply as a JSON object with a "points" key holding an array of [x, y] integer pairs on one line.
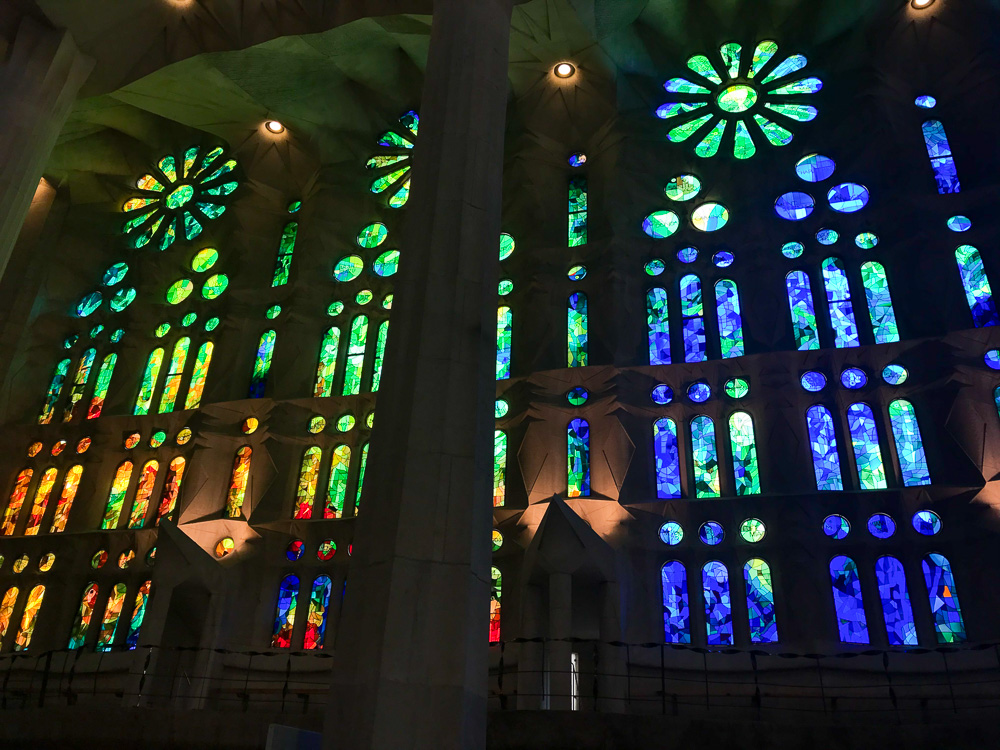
{"points": [[411, 651]]}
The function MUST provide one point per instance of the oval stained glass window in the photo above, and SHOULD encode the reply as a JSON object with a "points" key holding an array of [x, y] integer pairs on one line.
{"points": [[372, 235], [687, 254], [387, 263], [848, 198], [577, 159], [346, 423], [577, 273], [959, 224], [661, 224], [737, 387], [326, 550], [349, 268], [189, 319], [926, 102], [866, 240], [89, 304], [827, 236], [853, 378], [184, 436], [710, 217], [753, 530], [162, 330], [500, 408], [157, 438], [926, 522], [992, 359], [836, 527], [815, 167], [711, 533], [122, 299], [204, 259], [699, 392], [683, 187], [655, 267], [894, 374], [335, 309], [295, 550], [813, 381], [794, 206], [115, 273], [214, 286], [364, 297], [179, 291], [723, 259], [496, 538], [211, 324], [317, 424], [662, 394], [671, 533], [881, 526], [507, 245], [505, 287], [792, 250], [578, 396]]}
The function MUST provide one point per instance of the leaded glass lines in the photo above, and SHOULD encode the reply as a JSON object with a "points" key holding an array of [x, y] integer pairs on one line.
{"points": [[896, 610], [144, 401], [577, 228], [658, 322], [262, 364], [676, 611], [727, 303], [800, 303], [949, 627], [718, 605], [852, 624], [867, 453], [838, 295], [705, 457], [578, 458], [499, 468], [355, 356], [823, 444], [505, 324], [909, 444], [744, 446], [880, 310], [693, 319], [942, 161], [977, 286], [327, 369], [760, 602], [576, 330], [668, 465]]}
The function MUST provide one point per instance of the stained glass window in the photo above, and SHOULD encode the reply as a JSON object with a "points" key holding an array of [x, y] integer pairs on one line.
{"points": [[101, 386], [668, 464], [55, 389], [284, 618], [505, 324], [718, 607], [909, 444], [71, 484], [144, 401], [496, 592], [744, 445], [171, 489], [760, 602], [942, 161], [283, 265], [676, 613], [355, 355], [948, 624], [823, 443], [576, 330], [896, 609], [7, 610], [693, 320], [578, 458], [851, 621], [800, 302], [838, 295], [17, 496], [658, 320], [977, 286], [147, 479], [116, 497], [499, 468], [112, 613], [79, 383], [361, 476], [383, 333], [29, 618], [879, 303], [42, 494], [319, 603], [340, 465], [577, 211], [78, 635], [262, 364], [172, 385], [308, 478], [864, 436], [138, 615], [327, 363], [196, 386], [727, 304], [238, 482], [705, 457]]}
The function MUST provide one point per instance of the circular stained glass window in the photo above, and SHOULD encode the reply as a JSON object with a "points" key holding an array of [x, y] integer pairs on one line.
{"points": [[992, 359], [224, 547], [184, 436], [866, 240], [162, 330], [792, 250], [132, 440], [577, 396], [853, 378], [699, 392], [723, 259], [926, 102], [671, 533], [273, 312], [211, 324], [204, 259], [364, 297], [89, 304], [179, 291], [387, 263], [84, 445], [189, 319], [836, 527], [827, 236], [577, 273], [34, 449], [848, 197], [752, 530], [349, 268], [661, 224], [959, 224], [894, 374], [497, 539], [683, 187], [372, 235], [250, 425], [157, 438], [317, 424], [346, 423], [687, 254], [711, 533], [662, 394], [21, 563], [58, 448], [881, 526], [326, 550], [737, 388], [813, 381], [125, 559], [500, 408], [47, 561], [737, 98], [710, 217], [507, 246], [335, 309], [926, 522], [815, 168], [295, 550], [214, 286], [99, 559], [115, 273], [794, 206], [505, 287], [577, 159]]}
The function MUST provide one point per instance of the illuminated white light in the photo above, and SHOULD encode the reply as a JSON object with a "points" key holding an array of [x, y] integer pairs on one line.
{"points": [[273, 126], [564, 70]]}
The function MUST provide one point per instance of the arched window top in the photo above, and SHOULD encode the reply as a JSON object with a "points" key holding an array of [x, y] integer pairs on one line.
{"points": [[909, 444], [803, 311], [744, 445], [835, 278], [851, 621], [578, 458], [978, 293], [319, 603], [867, 453], [691, 297], [718, 607], [760, 601], [284, 619], [900, 628], [943, 596], [676, 614], [668, 465]]}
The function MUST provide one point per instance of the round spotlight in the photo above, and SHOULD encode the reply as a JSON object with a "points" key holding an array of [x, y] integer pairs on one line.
{"points": [[921, 4], [564, 70], [273, 126]]}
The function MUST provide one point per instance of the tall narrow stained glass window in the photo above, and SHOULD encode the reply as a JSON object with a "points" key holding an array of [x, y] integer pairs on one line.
{"points": [[727, 304], [71, 483], [355, 356], [705, 457], [29, 618], [238, 482], [851, 621], [55, 389], [496, 591], [718, 606], [948, 624], [896, 610], [171, 489], [668, 463], [78, 635], [578, 458], [800, 303], [305, 493], [577, 234], [319, 604], [16, 500], [909, 444], [658, 320], [327, 369], [693, 320], [676, 613], [336, 494], [7, 610], [361, 477], [576, 330], [942, 161], [838, 295], [880, 310], [42, 495], [262, 364], [505, 326], [144, 401], [284, 617], [760, 602], [79, 383], [977, 287], [823, 444], [102, 385], [172, 384], [144, 490], [867, 453], [499, 468], [283, 264], [138, 615], [116, 498], [744, 445], [383, 334], [196, 386], [112, 613]]}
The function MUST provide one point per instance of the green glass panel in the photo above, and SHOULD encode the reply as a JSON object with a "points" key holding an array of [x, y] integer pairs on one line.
{"points": [[687, 129], [709, 145], [327, 369], [743, 145], [507, 245], [372, 235], [361, 476], [703, 67], [215, 286], [731, 56], [149, 376], [761, 56], [738, 98], [383, 332], [776, 134], [381, 184], [172, 384], [355, 356], [179, 291], [262, 364], [799, 112], [705, 457], [499, 468], [744, 445], [204, 259], [180, 196], [387, 263], [122, 299], [349, 268]]}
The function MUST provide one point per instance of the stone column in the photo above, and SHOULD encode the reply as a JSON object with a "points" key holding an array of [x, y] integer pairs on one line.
{"points": [[39, 81], [412, 647], [560, 652]]}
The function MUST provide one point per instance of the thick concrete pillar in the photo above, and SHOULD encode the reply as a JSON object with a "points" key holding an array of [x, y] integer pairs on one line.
{"points": [[611, 666], [411, 652], [39, 80], [560, 652]]}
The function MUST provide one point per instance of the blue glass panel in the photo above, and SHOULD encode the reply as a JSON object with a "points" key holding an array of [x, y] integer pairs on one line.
{"points": [[505, 327], [896, 609], [578, 458], [800, 303], [879, 300], [853, 378], [657, 318], [926, 102], [692, 312], [711, 533], [942, 162], [699, 392], [823, 442], [909, 444], [813, 381], [760, 602], [744, 446], [687, 254], [668, 465], [836, 527], [676, 615], [576, 330], [992, 359], [926, 522], [977, 286], [671, 533], [881, 526], [838, 294], [727, 301], [662, 394], [848, 197], [723, 259], [948, 623], [718, 607], [851, 622], [864, 436], [705, 457], [794, 206], [815, 168]]}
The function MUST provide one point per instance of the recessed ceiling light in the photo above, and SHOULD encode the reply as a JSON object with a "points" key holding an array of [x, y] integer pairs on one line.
{"points": [[921, 4], [273, 126], [564, 70]]}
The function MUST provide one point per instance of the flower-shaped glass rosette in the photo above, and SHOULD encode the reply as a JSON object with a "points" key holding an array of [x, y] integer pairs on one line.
{"points": [[393, 166], [747, 91], [178, 197]]}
